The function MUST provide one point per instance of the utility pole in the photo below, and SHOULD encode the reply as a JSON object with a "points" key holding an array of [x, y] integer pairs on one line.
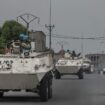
{"points": [[82, 45], [28, 18], [50, 27]]}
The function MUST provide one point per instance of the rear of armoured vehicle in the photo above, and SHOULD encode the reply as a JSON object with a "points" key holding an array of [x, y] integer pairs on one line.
{"points": [[69, 67], [32, 74]]}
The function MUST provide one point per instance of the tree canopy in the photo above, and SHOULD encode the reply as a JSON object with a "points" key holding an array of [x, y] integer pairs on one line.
{"points": [[0, 31], [11, 30], [2, 45]]}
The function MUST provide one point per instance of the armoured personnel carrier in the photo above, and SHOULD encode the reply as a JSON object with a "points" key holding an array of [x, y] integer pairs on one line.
{"points": [[69, 65], [87, 66], [24, 69]]}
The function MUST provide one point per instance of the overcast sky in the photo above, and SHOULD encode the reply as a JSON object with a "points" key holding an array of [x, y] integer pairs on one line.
{"points": [[77, 18]]}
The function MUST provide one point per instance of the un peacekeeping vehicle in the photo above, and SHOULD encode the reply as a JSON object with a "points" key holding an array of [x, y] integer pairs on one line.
{"points": [[24, 67], [87, 66], [69, 65]]}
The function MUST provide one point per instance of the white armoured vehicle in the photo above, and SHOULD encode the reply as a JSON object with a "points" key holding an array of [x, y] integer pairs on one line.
{"points": [[69, 66], [29, 71], [87, 66]]}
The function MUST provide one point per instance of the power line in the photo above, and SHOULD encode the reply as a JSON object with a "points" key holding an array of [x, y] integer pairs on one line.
{"points": [[72, 37]]}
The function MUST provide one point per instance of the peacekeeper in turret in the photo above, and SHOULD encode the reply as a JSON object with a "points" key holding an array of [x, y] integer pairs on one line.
{"points": [[67, 55]]}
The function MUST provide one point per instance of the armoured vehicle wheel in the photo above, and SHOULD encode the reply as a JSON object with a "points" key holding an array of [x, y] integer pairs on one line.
{"points": [[1, 94], [80, 74], [57, 75], [44, 90], [50, 88]]}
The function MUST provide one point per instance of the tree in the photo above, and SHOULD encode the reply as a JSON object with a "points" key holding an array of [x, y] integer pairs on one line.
{"points": [[11, 30], [0, 31], [2, 45]]}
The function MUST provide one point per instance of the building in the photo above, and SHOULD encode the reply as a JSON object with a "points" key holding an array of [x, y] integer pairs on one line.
{"points": [[98, 60], [39, 39]]}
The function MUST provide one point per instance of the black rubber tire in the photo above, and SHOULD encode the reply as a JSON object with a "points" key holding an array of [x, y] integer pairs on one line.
{"points": [[44, 90], [50, 88], [1, 94], [57, 75], [80, 74]]}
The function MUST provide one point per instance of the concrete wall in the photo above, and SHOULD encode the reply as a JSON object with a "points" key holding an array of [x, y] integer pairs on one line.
{"points": [[40, 40]]}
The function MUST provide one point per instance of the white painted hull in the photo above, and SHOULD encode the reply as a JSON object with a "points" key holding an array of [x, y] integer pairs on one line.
{"points": [[23, 73], [67, 69], [18, 81], [67, 66]]}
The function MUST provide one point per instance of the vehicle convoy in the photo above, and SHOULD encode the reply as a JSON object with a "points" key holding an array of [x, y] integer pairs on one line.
{"points": [[69, 65], [25, 69]]}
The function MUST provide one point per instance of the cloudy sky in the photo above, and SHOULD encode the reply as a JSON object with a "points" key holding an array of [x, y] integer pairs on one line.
{"points": [[77, 18]]}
